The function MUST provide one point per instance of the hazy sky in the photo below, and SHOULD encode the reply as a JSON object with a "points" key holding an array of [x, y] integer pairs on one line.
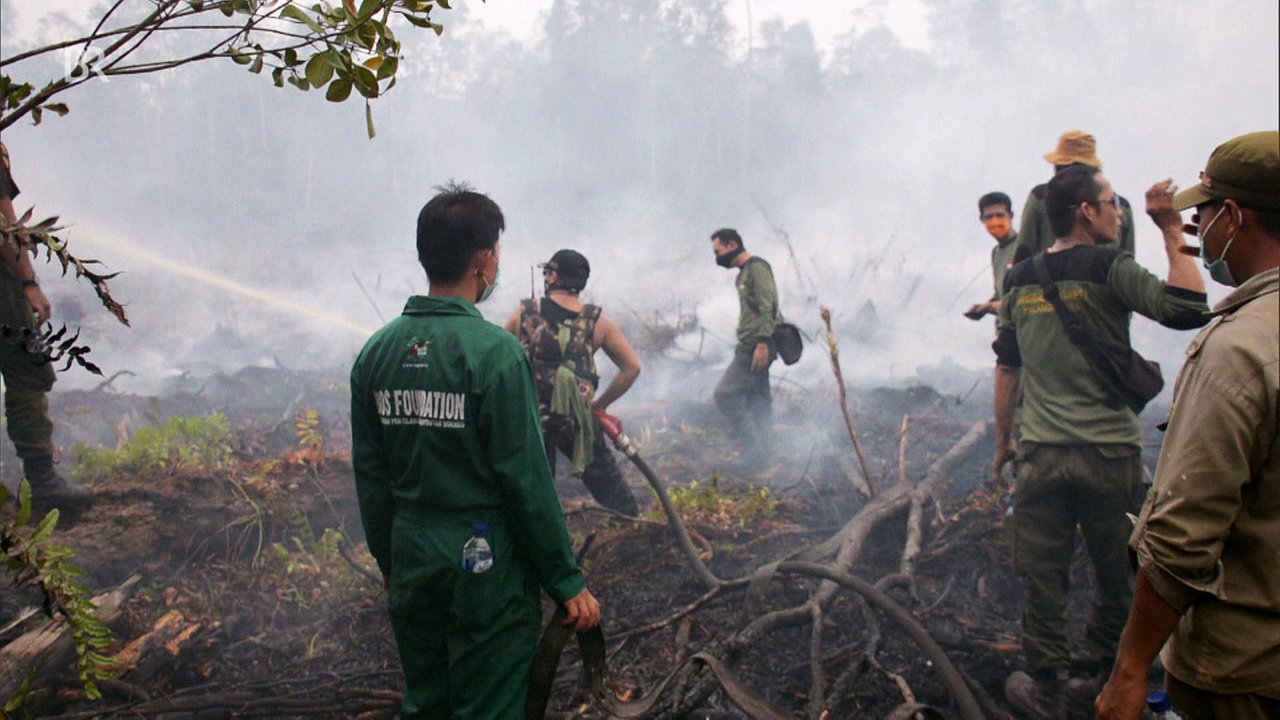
{"points": [[521, 18], [864, 131]]}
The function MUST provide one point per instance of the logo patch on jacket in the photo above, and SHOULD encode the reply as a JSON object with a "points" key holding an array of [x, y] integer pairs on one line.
{"points": [[416, 352]]}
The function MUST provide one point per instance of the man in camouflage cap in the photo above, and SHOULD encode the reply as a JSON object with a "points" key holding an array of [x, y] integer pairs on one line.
{"points": [[561, 335]]}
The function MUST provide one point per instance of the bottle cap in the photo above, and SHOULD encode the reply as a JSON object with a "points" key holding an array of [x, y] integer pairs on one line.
{"points": [[480, 528], [1158, 701]]}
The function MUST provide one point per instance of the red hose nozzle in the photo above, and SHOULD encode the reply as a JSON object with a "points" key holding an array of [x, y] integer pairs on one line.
{"points": [[611, 424]]}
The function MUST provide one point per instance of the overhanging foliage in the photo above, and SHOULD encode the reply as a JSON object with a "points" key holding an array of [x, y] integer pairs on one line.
{"points": [[342, 48]]}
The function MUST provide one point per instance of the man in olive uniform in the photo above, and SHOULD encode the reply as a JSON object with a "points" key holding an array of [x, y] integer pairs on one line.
{"points": [[1078, 450], [743, 392], [1208, 540], [445, 435], [28, 376], [995, 211], [562, 334], [1075, 147]]}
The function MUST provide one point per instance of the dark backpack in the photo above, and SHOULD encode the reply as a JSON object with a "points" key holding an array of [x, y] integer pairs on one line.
{"points": [[542, 343]]}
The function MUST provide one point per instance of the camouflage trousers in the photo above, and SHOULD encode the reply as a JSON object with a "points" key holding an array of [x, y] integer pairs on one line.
{"points": [[27, 381], [1062, 488], [602, 476]]}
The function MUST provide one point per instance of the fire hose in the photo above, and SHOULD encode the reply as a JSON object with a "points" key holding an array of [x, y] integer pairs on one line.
{"points": [[612, 427], [592, 642]]}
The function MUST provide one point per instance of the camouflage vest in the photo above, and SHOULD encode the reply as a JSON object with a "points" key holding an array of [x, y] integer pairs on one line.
{"points": [[549, 348]]}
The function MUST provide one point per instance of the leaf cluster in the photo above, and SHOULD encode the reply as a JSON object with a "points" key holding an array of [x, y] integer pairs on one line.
{"points": [[52, 344], [706, 501], [307, 429], [202, 441], [32, 557], [341, 47]]}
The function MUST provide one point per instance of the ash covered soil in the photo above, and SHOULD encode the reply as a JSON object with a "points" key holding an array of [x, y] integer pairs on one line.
{"points": [[255, 596]]}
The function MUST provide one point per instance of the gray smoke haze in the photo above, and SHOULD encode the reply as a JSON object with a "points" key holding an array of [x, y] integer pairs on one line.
{"points": [[629, 131]]}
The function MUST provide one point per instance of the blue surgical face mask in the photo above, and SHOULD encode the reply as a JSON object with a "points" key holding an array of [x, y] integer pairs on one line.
{"points": [[487, 292], [1218, 269]]}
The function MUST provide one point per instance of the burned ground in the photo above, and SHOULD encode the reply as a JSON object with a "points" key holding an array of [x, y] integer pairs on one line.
{"points": [[256, 597]]}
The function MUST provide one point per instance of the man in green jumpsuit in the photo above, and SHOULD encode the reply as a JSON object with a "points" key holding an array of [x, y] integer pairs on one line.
{"points": [[445, 435], [743, 393]]}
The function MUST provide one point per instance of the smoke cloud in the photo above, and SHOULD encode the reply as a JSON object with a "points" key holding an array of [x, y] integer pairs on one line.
{"points": [[259, 226]]}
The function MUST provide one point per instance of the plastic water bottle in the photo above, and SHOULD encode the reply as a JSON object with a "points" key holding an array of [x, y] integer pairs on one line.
{"points": [[1161, 706], [477, 556]]}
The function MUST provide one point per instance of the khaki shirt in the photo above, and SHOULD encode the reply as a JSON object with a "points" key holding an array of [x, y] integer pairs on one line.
{"points": [[1209, 535]]}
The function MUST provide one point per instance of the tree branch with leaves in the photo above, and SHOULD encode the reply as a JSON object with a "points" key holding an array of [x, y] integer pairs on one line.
{"points": [[345, 47]]}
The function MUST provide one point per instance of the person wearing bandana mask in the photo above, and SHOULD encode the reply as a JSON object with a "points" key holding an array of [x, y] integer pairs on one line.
{"points": [[995, 211], [1207, 542], [743, 392], [445, 436]]}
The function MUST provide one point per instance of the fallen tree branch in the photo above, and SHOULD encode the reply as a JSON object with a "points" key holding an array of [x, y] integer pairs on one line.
{"points": [[833, 351]]}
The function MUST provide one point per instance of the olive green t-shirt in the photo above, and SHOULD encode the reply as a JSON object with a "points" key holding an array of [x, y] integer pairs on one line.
{"points": [[1035, 235], [1063, 403]]}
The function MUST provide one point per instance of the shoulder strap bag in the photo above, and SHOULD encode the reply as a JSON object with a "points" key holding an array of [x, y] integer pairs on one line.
{"points": [[1130, 379]]}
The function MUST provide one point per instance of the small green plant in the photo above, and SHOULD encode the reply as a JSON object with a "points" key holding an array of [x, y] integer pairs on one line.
{"points": [[706, 501], [307, 428], [33, 558], [200, 441], [310, 452]]}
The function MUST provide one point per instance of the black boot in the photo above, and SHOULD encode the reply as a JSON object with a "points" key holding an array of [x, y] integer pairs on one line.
{"points": [[50, 490]]}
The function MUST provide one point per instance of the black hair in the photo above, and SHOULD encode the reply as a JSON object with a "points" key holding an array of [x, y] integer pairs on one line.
{"points": [[726, 235], [452, 227], [1074, 185], [1268, 221], [995, 198]]}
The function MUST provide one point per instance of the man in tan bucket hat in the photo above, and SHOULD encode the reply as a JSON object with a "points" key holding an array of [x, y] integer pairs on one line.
{"points": [[1034, 236]]}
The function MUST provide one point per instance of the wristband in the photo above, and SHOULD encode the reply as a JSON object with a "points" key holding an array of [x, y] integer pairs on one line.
{"points": [[30, 283]]}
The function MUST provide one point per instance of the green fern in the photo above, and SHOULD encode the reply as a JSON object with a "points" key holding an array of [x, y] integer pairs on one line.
{"points": [[33, 558]]}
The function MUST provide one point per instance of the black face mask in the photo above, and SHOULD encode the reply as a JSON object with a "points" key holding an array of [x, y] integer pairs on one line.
{"points": [[726, 260]]}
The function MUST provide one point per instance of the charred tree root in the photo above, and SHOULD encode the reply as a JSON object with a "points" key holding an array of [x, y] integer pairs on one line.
{"points": [[848, 540], [950, 675]]}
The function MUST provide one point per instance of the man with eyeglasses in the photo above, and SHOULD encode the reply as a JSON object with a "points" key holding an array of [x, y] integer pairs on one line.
{"points": [[1208, 540], [1075, 147], [1078, 451], [995, 210]]}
